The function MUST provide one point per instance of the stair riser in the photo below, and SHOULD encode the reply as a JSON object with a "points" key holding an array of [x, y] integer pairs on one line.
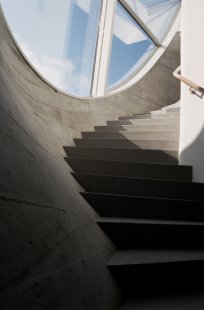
{"points": [[169, 115], [162, 115], [173, 109], [157, 236], [147, 135], [153, 156], [114, 168], [145, 208], [175, 276], [136, 116], [140, 187], [119, 143], [145, 122], [136, 128]]}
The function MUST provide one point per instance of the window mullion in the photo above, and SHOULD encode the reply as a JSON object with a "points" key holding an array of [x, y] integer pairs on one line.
{"points": [[103, 47]]}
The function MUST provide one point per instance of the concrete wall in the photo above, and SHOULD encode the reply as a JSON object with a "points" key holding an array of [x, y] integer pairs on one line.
{"points": [[52, 254], [192, 107]]}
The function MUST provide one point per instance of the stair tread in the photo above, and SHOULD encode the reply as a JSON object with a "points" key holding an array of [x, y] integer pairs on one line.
{"points": [[189, 300], [148, 221], [137, 128], [128, 168], [127, 154], [131, 135], [159, 144], [113, 205], [118, 149], [151, 256], [138, 186], [144, 197], [139, 178], [132, 132], [131, 162], [124, 139]]}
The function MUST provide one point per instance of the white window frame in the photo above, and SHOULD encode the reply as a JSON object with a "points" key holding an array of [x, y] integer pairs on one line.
{"points": [[104, 45], [103, 48]]}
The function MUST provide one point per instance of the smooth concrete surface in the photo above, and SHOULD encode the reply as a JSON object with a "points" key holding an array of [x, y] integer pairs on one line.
{"points": [[192, 107], [53, 255]]}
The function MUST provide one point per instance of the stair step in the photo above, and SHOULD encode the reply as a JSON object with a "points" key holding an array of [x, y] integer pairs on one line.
{"points": [[133, 155], [134, 144], [108, 205], [162, 115], [165, 277], [139, 127], [157, 269], [140, 187], [131, 169], [189, 300], [136, 116], [153, 234], [153, 270], [151, 121], [169, 115], [132, 135], [153, 256], [176, 109]]}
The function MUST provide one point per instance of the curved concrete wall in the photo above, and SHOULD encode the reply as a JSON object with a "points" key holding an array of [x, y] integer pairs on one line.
{"points": [[53, 255]]}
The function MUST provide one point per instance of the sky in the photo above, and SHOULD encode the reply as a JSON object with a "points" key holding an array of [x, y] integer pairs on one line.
{"points": [[59, 38]]}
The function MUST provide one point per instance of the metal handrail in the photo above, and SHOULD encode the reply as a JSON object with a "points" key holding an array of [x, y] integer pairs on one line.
{"points": [[194, 88]]}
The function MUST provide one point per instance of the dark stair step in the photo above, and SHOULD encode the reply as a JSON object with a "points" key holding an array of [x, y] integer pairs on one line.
{"points": [[171, 145], [153, 234], [108, 205], [157, 269], [131, 169], [133, 155], [140, 187], [187, 300]]}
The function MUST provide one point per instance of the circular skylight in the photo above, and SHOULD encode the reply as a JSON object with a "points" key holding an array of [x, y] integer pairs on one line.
{"points": [[87, 47]]}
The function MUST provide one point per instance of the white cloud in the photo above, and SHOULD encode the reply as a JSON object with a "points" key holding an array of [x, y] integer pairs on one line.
{"points": [[60, 72]]}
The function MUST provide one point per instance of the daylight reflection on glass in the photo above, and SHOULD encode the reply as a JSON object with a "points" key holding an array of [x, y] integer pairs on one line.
{"points": [[156, 14], [130, 47], [64, 40]]}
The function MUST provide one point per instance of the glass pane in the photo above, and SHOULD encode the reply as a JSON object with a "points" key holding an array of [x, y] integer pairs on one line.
{"points": [[130, 47], [156, 14], [59, 38]]}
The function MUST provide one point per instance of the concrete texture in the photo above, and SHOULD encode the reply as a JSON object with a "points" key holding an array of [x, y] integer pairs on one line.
{"points": [[53, 255]]}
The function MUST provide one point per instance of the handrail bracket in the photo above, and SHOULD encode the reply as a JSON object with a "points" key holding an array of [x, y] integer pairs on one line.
{"points": [[194, 92], [194, 88]]}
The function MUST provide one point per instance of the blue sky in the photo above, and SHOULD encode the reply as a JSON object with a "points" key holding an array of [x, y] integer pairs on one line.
{"points": [[59, 37]]}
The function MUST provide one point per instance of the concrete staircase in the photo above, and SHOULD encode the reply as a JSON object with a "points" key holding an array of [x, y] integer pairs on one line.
{"points": [[148, 206]]}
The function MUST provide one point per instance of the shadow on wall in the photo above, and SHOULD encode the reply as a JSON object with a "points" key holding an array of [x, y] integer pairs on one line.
{"points": [[52, 252], [194, 155]]}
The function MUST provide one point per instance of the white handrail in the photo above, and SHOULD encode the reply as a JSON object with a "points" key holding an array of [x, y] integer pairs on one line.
{"points": [[194, 88]]}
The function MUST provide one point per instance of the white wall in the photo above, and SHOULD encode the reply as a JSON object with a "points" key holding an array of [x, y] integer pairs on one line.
{"points": [[192, 107]]}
